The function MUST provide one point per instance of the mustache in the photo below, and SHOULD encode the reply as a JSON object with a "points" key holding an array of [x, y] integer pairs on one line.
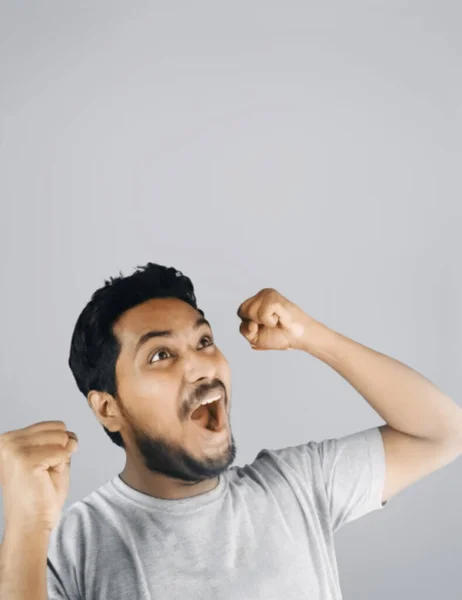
{"points": [[202, 390]]}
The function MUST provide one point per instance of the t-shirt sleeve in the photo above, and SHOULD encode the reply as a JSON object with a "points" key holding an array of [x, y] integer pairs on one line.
{"points": [[353, 471], [55, 586], [61, 583]]}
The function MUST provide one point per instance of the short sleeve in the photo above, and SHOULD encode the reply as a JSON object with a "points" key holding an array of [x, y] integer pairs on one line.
{"points": [[353, 470], [60, 574], [55, 587]]}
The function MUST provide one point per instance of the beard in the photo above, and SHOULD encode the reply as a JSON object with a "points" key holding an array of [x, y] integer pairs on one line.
{"points": [[163, 456]]}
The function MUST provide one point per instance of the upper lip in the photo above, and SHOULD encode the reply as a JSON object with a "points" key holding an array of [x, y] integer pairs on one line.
{"points": [[217, 394]]}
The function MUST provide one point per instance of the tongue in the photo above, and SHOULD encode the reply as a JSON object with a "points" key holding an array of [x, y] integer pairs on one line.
{"points": [[201, 415]]}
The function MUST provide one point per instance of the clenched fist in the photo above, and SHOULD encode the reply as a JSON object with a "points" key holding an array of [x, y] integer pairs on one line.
{"points": [[34, 474], [272, 322]]}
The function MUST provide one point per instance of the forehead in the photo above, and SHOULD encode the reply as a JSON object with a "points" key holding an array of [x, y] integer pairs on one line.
{"points": [[156, 313]]}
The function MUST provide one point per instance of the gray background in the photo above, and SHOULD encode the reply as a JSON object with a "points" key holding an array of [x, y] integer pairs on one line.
{"points": [[311, 148]]}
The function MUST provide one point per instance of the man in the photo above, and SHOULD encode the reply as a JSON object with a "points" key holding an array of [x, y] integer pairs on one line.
{"points": [[180, 521]]}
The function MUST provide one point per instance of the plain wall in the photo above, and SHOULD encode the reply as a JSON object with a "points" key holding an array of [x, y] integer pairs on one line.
{"points": [[308, 147]]}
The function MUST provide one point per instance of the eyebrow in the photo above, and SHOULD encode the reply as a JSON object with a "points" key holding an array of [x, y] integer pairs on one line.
{"points": [[166, 333]]}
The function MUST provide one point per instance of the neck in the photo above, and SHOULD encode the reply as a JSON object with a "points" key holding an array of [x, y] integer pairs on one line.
{"points": [[159, 485]]}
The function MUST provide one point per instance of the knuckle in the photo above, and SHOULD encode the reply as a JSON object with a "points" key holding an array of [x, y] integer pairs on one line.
{"points": [[57, 425], [63, 437], [10, 448], [26, 452], [72, 446]]}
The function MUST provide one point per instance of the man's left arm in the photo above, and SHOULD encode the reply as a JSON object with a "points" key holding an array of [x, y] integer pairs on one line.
{"points": [[423, 430]]}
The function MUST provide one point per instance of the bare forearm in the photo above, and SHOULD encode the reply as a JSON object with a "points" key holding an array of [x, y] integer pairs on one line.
{"points": [[404, 399], [23, 566]]}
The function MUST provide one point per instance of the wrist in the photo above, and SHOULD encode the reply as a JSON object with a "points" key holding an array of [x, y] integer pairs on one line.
{"points": [[15, 534], [319, 340]]}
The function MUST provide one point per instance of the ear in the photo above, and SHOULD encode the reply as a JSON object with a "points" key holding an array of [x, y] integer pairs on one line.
{"points": [[105, 409]]}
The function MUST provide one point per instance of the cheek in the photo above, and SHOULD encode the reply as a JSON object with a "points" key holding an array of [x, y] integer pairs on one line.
{"points": [[223, 370], [160, 389], [153, 402], [153, 389]]}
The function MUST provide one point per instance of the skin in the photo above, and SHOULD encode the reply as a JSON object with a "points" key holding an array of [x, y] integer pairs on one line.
{"points": [[167, 455]]}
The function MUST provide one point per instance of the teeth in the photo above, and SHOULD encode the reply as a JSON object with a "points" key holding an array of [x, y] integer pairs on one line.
{"points": [[218, 396], [211, 400]]}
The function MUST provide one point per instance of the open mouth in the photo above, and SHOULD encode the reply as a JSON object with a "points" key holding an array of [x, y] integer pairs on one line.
{"points": [[210, 416]]}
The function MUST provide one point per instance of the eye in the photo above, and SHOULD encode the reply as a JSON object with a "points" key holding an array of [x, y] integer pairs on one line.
{"points": [[162, 350], [156, 354], [207, 337]]}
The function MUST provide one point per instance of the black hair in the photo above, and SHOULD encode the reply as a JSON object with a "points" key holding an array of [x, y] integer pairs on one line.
{"points": [[94, 347]]}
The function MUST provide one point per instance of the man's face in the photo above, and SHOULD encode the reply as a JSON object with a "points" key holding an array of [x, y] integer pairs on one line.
{"points": [[159, 379]]}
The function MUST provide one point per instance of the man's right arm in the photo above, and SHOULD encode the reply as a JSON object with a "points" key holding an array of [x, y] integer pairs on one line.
{"points": [[34, 475], [23, 564]]}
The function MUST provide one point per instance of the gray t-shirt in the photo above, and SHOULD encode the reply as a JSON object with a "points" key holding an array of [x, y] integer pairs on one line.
{"points": [[265, 532]]}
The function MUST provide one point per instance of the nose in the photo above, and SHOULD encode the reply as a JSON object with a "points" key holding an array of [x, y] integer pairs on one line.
{"points": [[199, 367]]}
